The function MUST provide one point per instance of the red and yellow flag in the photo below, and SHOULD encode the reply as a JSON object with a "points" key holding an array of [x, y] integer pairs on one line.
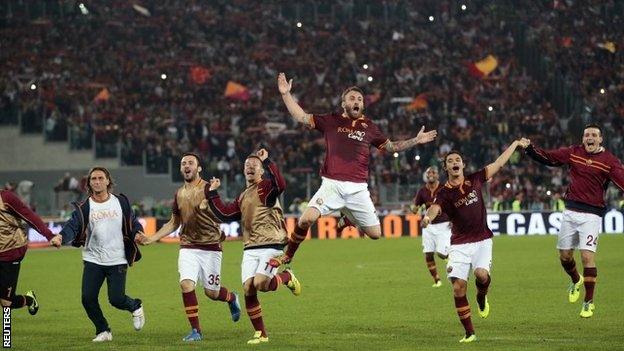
{"points": [[483, 67], [236, 91]]}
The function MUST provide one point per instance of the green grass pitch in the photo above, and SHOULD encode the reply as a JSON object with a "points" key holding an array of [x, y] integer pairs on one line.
{"points": [[357, 295]]}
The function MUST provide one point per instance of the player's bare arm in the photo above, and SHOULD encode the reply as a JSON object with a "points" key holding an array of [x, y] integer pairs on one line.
{"points": [[421, 138], [165, 230], [495, 166], [293, 107], [432, 213]]}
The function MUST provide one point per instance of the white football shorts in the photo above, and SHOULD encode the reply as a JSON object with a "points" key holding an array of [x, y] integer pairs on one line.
{"points": [[437, 238], [256, 261], [350, 197], [464, 257], [579, 230], [201, 266]]}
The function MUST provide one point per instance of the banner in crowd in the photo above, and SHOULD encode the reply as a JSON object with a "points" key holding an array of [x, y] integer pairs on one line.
{"points": [[392, 226]]}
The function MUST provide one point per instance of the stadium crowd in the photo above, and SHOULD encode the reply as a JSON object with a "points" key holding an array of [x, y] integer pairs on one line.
{"points": [[151, 79]]}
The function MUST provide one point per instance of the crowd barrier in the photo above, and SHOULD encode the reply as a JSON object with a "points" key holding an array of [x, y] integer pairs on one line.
{"points": [[393, 226]]}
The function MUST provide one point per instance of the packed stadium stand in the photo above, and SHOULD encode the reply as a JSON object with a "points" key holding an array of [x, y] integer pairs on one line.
{"points": [[134, 87]]}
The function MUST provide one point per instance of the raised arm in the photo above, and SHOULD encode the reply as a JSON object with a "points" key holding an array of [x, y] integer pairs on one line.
{"points": [[421, 138], [293, 107], [224, 212], [494, 167], [272, 187]]}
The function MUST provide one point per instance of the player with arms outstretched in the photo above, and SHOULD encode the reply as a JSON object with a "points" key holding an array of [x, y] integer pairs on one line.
{"points": [[437, 236], [348, 138], [264, 233], [471, 239], [591, 168]]}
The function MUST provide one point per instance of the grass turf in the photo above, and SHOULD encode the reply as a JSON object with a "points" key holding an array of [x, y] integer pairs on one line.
{"points": [[357, 295]]}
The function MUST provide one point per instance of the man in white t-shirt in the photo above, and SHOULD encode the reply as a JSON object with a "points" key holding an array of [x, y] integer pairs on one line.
{"points": [[105, 225]]}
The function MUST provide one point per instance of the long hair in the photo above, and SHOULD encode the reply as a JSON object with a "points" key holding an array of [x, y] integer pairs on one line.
{"points": [[111, 184]]}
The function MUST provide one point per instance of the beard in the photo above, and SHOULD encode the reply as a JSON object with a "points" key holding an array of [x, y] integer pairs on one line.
{"points": [[189, 177], [354, 114]]}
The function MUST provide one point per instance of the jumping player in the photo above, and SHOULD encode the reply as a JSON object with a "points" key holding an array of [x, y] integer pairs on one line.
{"points": [[348, 138]]}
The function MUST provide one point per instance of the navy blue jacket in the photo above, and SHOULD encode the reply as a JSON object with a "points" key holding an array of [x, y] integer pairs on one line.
{"points": [[76, 229]]}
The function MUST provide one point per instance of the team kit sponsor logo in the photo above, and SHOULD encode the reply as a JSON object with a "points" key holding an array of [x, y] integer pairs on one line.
{"points": [[353, 134], [468, 200], [392, 226]]}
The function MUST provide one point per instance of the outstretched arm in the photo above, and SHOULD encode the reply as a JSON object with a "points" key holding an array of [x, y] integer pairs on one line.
{"points": [[166, 229], [551, 158], [616, 174], [20, 210], [494, 167], [422, 138], [293, 107]]}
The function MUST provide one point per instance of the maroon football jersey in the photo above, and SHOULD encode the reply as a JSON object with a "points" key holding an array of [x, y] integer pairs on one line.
{"points": [[465, 207], [347, 146], [425, 197], [589, 175]]}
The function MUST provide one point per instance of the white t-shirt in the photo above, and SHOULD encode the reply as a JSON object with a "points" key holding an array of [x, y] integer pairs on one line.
{"points": [[104, 244]]}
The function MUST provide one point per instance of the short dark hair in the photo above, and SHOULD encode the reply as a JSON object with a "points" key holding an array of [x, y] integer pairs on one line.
{"points": [[452, 152], [593, 125], [106, 172], [350, 89], [197, 157]]}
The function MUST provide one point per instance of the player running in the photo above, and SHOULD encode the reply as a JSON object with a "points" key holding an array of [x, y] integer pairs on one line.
{"points": [[437, 236], [591, 169], [348, 138], [264, 233], [13, 246], [471, 240], [200, 245]]}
